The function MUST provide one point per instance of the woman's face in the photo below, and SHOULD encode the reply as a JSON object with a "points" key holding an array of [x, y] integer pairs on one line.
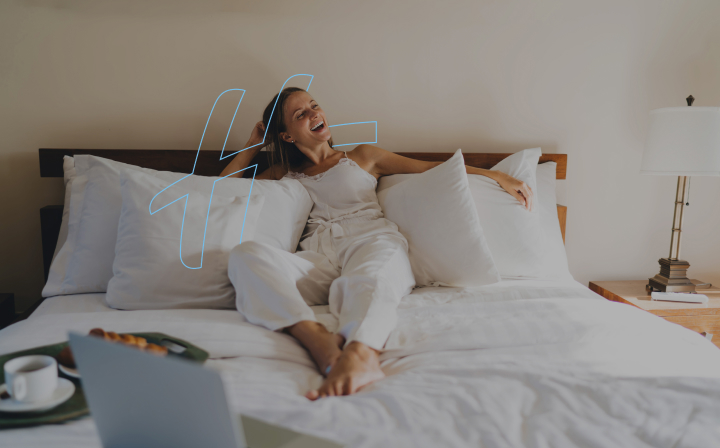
{"points": [[302, 113]]}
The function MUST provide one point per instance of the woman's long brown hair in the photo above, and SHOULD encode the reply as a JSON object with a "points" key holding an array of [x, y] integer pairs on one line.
{"points": [[279, 151]]}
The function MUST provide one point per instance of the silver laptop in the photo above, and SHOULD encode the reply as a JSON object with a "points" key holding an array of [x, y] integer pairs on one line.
{"points": [[140, 400]]}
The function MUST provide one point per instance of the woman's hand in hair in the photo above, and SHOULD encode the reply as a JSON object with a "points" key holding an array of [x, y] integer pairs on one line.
{"points": [[257, 134], [243, 157], [517, 188]]}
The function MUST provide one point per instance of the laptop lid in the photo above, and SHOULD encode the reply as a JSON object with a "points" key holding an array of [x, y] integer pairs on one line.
{"points": [[141, 400]]}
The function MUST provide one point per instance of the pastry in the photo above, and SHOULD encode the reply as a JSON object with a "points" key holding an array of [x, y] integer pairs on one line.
{"points": [[97, 332], [127, 339], [140, 343], [112, 336], [156, 349], [65, 357]]}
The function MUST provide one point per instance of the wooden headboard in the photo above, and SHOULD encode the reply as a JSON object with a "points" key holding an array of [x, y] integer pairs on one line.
{"points": [[209, 164]]}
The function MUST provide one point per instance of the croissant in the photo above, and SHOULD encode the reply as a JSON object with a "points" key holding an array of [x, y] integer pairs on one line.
{"points": [[112, 336], [65, 357], [156, 349], [127, 339], [97, 332]]}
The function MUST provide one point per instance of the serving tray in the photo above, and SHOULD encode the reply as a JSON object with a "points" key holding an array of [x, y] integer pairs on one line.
{"points": [[76, 406]]}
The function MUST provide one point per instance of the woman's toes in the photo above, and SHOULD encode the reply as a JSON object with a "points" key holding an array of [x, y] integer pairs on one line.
{"points": [[340, 340], [312, 395]]}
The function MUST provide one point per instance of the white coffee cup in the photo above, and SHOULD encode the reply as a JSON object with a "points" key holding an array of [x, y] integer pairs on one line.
{"points": [[31, 379]]}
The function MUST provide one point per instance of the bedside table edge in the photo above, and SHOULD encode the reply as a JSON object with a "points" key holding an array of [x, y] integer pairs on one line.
{"points": [[609, 295]]}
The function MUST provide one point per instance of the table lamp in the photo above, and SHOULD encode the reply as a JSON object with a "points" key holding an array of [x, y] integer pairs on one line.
{"points": [[683, 142]]}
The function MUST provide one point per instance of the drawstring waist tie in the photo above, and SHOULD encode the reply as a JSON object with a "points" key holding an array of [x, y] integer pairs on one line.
{"points": [[324, 233]]}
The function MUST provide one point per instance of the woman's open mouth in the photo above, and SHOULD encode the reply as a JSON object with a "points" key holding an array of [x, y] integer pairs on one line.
{"points": [[318, 127]]}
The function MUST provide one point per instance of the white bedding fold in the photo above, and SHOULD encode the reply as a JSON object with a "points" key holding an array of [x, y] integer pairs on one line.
{"points": [[514, 364], [222, 333]]}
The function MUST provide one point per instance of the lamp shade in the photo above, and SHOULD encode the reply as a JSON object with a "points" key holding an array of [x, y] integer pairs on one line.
{"points": [[683, 141]]}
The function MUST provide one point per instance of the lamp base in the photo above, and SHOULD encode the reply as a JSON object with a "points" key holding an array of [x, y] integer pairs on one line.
{"points": [[672, 277]]}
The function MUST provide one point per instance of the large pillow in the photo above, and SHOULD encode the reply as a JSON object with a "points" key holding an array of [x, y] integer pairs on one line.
{"points": [[169, 259], [434, 210], [556, 257], [553, 259], [282, 218], [63, 277], [514, 234], [90, 263], [84, 263]]}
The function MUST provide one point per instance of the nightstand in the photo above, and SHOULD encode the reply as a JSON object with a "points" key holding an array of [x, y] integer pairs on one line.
{"points": [[7, 309], [703, 318]]}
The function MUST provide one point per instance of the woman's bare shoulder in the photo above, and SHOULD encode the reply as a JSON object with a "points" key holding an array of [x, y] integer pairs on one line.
{"points": [[365, 153], [366, 156]]}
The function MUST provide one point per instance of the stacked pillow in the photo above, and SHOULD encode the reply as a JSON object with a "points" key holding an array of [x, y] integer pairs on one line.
{"points": [[515, 234], [179, 259], [84, 258], [434, 211], [518, 243], [555, 258]]}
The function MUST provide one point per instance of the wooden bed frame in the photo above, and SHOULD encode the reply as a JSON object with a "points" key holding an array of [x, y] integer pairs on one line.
{"points": [[209, 164]]}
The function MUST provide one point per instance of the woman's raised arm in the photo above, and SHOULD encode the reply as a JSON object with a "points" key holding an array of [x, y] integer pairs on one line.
{"points": [[385, 163], [243, 159]]}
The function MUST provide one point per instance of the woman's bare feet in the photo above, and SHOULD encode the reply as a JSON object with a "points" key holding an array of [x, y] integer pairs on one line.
{"points": [[324, 347], [358, 366]]}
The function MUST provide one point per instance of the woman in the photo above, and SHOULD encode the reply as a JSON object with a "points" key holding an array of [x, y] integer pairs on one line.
{"points": [[352, 258]]}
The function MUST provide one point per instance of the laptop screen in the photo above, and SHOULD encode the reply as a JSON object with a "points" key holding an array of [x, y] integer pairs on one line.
{"points": [[141, 400]]}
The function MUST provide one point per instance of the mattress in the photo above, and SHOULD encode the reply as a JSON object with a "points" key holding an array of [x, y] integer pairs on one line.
{"points": [[518, 363]]}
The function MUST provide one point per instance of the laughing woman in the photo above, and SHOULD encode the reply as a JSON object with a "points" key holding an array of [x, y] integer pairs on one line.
{"points": [[351, 257]]}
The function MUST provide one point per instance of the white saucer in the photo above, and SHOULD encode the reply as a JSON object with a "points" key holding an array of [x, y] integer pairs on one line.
{"points": [[65, 389], [69, 371]]}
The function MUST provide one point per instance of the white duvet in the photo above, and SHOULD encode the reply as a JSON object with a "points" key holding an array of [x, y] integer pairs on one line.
{"points": [[519, 363]]}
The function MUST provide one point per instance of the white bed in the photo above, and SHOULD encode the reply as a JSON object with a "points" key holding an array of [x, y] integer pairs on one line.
{"points": [[519, 363], [532, 363]]}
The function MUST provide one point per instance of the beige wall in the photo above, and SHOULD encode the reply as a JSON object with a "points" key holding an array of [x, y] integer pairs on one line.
{"points": [[575, 77]]}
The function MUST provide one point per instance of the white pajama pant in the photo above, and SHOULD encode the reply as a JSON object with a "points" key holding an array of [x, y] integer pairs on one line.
{"points": [[357, 266]]}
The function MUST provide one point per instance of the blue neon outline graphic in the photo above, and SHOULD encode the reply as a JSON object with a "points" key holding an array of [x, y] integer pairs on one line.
{"points": [[187, 195], [207, 217], [357, 122]]}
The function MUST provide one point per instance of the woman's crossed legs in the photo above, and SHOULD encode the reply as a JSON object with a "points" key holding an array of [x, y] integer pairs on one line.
{"points": [[274, 288]]}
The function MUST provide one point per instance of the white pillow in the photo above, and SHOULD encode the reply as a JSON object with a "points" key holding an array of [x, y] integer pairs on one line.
{"points": [[65, 265], [556, 257], [514, 234], [68, 178], [58, 265], [90, 264], [435, 212], [167, 259], [282, 218], [84, 263]]}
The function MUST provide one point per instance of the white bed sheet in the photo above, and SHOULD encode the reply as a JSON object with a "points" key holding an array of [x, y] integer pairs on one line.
{"points": [[520, 363], [95, 303], [73, 303]]}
